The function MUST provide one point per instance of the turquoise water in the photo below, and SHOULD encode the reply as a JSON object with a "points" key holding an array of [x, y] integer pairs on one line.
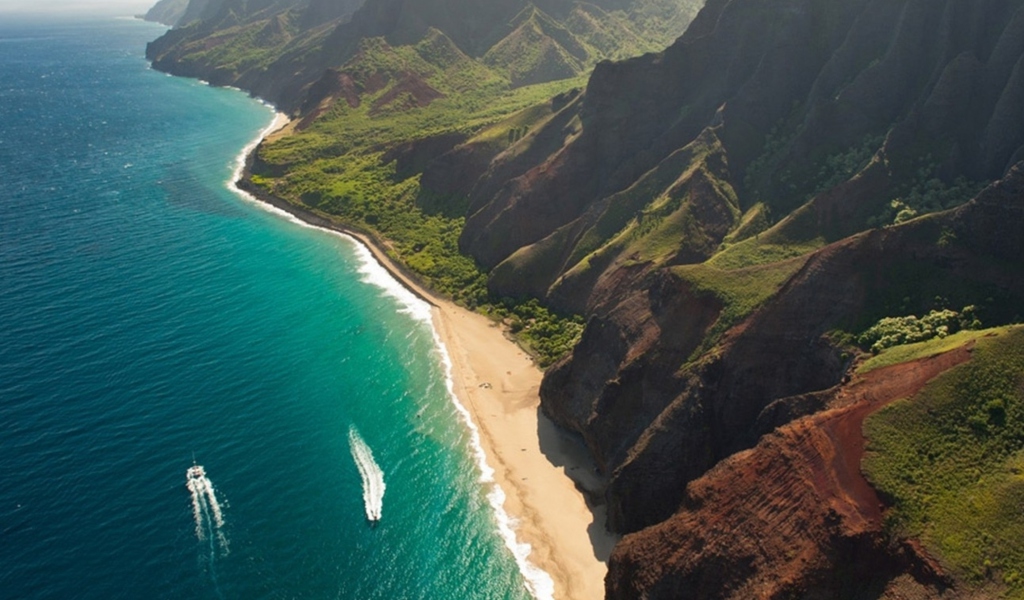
{"points": [[149, 315]]}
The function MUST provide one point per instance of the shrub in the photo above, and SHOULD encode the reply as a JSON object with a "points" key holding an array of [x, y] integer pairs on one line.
{"points": [[896, 331], [548, 335]]}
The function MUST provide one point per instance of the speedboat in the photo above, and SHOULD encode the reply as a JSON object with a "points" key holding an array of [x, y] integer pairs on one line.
{"points": [[195, 472]]}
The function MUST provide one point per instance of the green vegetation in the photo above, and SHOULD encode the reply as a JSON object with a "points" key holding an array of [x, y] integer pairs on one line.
{"points": [[677, 209], [337, 168], [761, 250], [926, 194], [782, 182], [841, 166], [902, 285], [353, 157], [827, 168], [539, 49], [908, 352], [951, 462], [895, 331], [761, 168], [740, 291], [796, 235], [236, 45], [667, 225], [449, 92], [547, 335], [755, 220]]}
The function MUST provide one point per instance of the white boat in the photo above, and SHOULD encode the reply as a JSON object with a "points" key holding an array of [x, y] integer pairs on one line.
{"points": [[195, 472]]}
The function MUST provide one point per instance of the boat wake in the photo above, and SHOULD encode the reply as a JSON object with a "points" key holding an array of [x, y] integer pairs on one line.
{"points": [[206, 510], [370, 473]]}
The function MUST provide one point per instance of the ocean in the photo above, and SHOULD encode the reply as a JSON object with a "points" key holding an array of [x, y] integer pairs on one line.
{"points": [[152, 319]]}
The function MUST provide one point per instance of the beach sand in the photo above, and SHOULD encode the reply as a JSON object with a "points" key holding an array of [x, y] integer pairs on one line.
{"points": [[540, 468], [532, 459]]}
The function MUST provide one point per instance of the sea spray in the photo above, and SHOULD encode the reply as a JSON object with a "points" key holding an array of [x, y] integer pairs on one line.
{"points": [[211, 501], [370, 473], [208, 517]]}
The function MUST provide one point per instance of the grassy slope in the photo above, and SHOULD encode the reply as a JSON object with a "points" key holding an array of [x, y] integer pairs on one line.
{"points": [[741, 291], [951, 460], [909, 352], [336, 167]]}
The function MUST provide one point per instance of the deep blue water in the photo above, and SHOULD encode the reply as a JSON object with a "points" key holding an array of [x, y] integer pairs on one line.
{"points": [[149, 315]]}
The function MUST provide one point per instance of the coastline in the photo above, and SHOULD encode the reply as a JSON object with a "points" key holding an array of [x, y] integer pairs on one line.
{"points": [[535, 471]]}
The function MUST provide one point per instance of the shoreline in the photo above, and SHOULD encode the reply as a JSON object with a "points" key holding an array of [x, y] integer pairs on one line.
{"points": [[538, 475]]}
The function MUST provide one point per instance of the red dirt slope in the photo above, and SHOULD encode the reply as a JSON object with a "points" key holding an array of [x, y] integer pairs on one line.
{"points": [[791, 517]]}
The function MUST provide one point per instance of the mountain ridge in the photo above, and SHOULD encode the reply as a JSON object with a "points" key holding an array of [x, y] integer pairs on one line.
{"points": [[215, 40]]}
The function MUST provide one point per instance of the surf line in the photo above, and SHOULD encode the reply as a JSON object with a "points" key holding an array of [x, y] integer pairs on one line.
{"points": [[538, 581], [371, 474]]}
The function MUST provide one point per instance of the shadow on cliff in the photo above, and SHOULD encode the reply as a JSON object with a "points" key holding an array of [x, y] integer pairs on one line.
{"points": [[566, 451]]}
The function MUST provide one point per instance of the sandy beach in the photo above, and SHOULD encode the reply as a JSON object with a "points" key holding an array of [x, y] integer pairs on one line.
{"points": [[539, 468], [532, 460]]}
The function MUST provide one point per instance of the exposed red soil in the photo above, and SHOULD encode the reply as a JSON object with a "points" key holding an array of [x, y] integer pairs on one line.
{"points": [[790, 517], [863, 396], [348, 89], [411, 89], [339, 85], [331, 87]]}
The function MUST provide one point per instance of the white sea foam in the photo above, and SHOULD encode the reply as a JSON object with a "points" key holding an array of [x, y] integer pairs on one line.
{"points": [[374, 273], [279, 121], [206, 510], [370, 269], [211, 497], [538, 581], [371, 474], [197, 508]]}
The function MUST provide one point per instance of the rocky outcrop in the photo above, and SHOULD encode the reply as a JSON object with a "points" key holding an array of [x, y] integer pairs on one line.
{"points": [[629, 377]]}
